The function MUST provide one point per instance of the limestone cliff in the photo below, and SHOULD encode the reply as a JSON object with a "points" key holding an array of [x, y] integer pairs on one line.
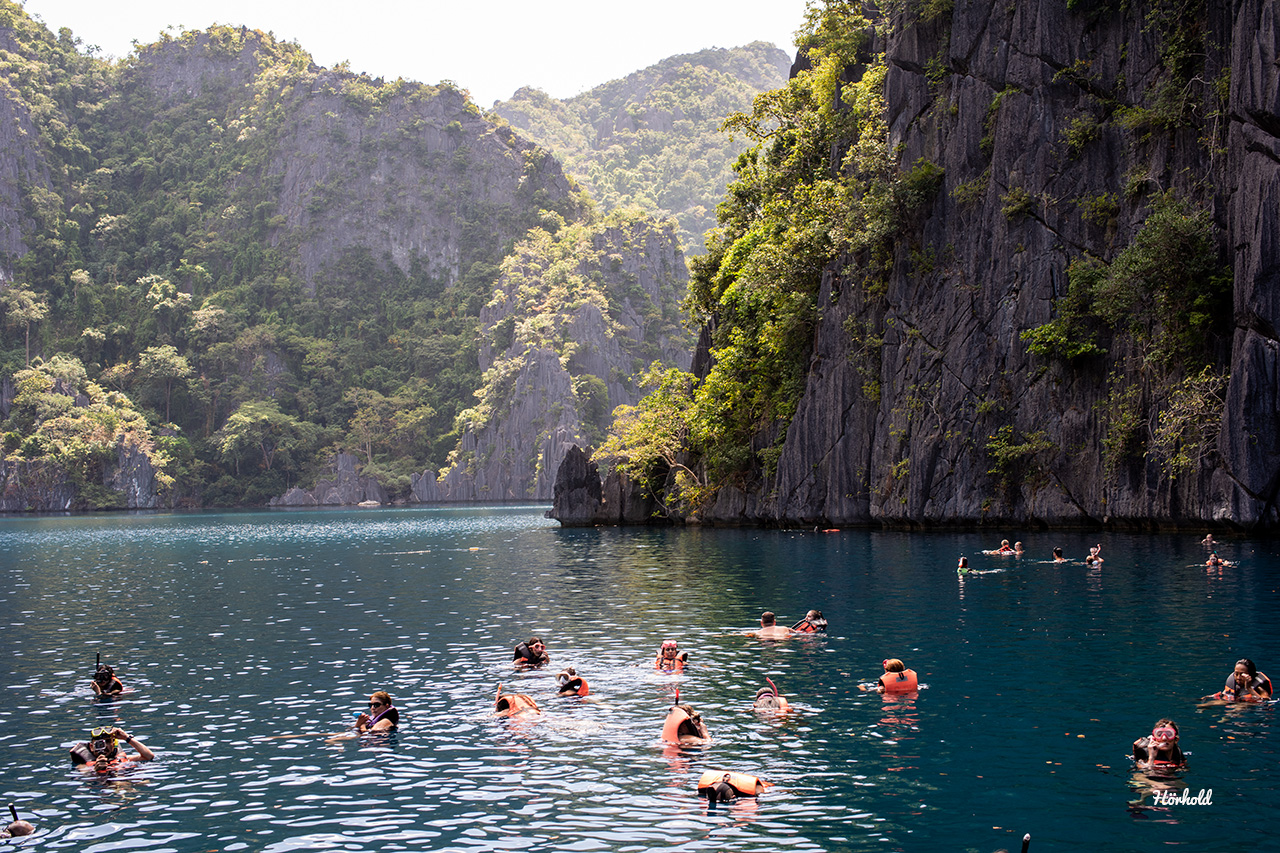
{"points": [[923, 402], [575, 317]]}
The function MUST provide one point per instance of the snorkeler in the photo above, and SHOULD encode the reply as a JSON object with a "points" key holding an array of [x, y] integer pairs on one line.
{"points": [[963, 568], [18, 828], [382, 716], [102, 750], [1160, 748], [512, 704], [769, 699], [569, 683], [670, 658], [532, 652], [104, 681], [684, 725]]}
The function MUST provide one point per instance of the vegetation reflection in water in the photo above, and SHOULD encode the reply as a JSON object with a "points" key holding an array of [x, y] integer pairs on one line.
{"points": [[235, 629]]}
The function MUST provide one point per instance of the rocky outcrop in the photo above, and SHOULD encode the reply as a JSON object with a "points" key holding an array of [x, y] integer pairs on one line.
{"points": [[346, 488], [897, 428], [544, 333], [22, 169], [582, 500]]}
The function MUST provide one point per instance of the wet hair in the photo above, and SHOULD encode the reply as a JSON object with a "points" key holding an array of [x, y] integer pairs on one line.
{"points": [[767, 618], [381, 696], [529, 642], [1170, 723], [1057, 552], [813, 614], [894, 665], [1248, 665], [964, 563]]}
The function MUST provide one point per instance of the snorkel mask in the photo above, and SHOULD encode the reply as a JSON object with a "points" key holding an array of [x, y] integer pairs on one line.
{"points": [[104, 675], [102, 741]]}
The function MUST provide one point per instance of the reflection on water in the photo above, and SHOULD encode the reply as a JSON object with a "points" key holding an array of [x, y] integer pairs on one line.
{"points": [[249, 640]]}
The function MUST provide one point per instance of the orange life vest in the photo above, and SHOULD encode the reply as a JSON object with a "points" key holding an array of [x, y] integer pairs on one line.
{"points": [[899, 682]]}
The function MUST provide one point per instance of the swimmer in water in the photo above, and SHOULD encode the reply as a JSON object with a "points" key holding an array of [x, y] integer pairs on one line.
{"points": [[684, 726], [1057, 556], [531, 653], [569, 683], [382, 716], [812, 623], [1160, 748], [1095, 556], [770, 629], [102, 750], [1215, 560], [670, 658], [1005, 548], [896, 679], [1018, 550], [105, 683], [1246, 684], [963, 568]]}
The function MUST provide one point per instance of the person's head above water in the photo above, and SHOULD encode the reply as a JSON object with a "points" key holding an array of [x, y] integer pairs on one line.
{"points": [[767, 618], [894, 665]]}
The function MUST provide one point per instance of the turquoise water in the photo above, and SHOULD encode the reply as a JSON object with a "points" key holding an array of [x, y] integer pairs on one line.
{"points": [[235, 629]]}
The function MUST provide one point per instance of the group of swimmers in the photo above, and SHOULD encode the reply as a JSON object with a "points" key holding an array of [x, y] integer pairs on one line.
{"points": [[1093, 559], [1160, 750]]}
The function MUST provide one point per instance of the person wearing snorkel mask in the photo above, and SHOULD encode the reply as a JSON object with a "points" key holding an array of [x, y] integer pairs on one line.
{"points": [[1160, 748], [105, 683], [102, 750]]}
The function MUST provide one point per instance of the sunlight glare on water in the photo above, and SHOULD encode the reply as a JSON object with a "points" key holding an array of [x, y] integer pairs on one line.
{"points": [[248, 639]]}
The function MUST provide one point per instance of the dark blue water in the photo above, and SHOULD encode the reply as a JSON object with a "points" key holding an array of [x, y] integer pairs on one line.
{"points": [[235, 629]]}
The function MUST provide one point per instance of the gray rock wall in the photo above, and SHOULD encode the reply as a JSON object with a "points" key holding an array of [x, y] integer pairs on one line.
{"points": [[899, 434]]}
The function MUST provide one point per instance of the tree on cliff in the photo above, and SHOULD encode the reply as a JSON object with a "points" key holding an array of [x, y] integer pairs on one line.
{"points": [[21, 309], [259, 429]]}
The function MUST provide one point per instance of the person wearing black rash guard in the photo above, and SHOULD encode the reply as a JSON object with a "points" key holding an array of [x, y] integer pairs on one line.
{"points": [[382, 716], [532, 652]]}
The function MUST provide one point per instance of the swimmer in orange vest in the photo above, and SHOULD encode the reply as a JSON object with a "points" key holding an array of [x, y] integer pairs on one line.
{"points": [[670, 658], [684, 725], [896, 679]]}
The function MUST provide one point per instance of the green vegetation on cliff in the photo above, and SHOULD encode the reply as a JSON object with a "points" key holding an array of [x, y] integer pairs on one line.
{"points": [[653, 139], [217, 227]]}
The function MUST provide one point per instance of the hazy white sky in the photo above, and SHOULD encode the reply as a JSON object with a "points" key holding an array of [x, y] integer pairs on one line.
{"points": [[491, 47]]}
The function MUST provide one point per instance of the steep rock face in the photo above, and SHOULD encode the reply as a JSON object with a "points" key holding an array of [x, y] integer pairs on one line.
{"points": [[599, 304], [581, 500], [953, 369], [346, 488], [400, 171], [22, 166], [908, 391], [45, 487]]}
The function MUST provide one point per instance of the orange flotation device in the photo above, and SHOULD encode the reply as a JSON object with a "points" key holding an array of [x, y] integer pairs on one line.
{"points": [[510, 704], [900, 682], [743, 784], [682, 721]]}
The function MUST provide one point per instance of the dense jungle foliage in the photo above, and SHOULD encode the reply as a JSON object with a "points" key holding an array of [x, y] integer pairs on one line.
{"points": [[653, 139], [162, 278]]}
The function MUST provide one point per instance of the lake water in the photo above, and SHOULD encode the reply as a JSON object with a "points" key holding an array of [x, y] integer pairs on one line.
{"points": [[236, 628]]}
